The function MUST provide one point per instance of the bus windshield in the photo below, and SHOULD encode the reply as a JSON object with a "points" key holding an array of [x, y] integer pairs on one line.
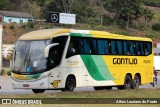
{"points": [[29, 56]]}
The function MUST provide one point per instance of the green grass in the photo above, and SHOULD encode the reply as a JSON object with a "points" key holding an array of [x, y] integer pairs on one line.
{"points": [[138, 93]]}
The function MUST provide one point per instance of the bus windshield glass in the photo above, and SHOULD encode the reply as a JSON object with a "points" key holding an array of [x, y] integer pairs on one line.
{"points": [[29, 56]]}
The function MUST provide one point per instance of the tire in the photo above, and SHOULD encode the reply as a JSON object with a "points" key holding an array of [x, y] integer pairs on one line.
{"points": [[136, 82], [70, 84], [36, 91], [155, 80], [127, 82]]}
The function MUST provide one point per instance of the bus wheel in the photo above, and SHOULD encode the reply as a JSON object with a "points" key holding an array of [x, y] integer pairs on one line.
{"points": [[70, 84], [127, 82], [136, 81], [38, 91]]}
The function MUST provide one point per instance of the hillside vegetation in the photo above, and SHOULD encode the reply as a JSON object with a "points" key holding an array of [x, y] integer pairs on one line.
{"points": [[127, 17]]}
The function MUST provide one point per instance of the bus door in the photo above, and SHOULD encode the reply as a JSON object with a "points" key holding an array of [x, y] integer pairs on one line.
{"points": [[52, 65]]}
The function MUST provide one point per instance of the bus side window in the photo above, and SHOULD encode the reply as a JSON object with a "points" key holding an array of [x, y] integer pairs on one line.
{"points": [[134, 48], [87, 49], [102, 47], [93, 46], [90, 46], [131, 46], [148, 48], [113, 47], [81, 46], [139, 47], [73, 47], [125, 47], [109, 47], [119, 46], [137, 52]]}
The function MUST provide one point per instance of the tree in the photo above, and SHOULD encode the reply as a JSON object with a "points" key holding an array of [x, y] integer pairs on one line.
{"points": [[4, 4], [148, 15], [126, 10], [85, 13], [81, 8], [64, 6]]}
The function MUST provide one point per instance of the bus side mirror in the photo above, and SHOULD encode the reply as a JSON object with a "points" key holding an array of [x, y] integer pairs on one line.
{"points": [[47, 48]]}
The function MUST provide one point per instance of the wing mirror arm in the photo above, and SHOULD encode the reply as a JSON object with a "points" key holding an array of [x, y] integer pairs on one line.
{"points": [[47, 48]]}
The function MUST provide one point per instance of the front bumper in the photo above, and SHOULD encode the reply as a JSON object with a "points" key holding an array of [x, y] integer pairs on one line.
{"points": [[30, 84]]}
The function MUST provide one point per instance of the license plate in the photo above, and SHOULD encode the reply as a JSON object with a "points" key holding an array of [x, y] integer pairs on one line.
{"points": [[25, 85]]}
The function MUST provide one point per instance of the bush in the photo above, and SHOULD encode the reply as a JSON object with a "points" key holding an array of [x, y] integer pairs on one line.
{"points": [[107, 21], [149, 35], [153, 3], [4, 26], [123, 32], [156, 27], [5, 72], [93, 21], [12, 26], [31, 25]]}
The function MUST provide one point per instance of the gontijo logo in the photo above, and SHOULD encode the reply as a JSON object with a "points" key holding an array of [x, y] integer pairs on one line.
{"points": [[125, 61]]}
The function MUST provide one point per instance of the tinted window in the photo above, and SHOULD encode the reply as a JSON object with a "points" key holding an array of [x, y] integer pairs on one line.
{"points": [[119, 47], [97, 46], [55, 53], [102, 46]]}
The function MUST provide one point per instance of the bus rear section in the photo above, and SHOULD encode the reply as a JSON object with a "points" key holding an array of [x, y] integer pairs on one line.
{"points": [[113, 62]]}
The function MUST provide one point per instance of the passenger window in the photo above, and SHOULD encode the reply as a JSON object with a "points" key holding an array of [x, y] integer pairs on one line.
{"points": [[86, 47], [125, 47], [93, 46], [90, 46], [102, 47], [74, 47], [113, 47], [109, 47], [119, 46], [147, 48], [131, 48], [139, 48]]}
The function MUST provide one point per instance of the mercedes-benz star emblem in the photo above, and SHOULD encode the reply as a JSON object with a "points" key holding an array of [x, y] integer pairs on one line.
{"points": [[54, 17]]}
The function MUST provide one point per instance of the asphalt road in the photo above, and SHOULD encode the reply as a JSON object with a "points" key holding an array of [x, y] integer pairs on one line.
{"points": [[5, 83]]}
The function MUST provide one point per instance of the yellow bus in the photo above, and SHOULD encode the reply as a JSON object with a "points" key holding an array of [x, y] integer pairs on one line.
{"points": [[62, 59]]}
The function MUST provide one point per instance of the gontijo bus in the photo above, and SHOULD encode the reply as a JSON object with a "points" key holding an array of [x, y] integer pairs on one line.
{"points": [[63, 59]]}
